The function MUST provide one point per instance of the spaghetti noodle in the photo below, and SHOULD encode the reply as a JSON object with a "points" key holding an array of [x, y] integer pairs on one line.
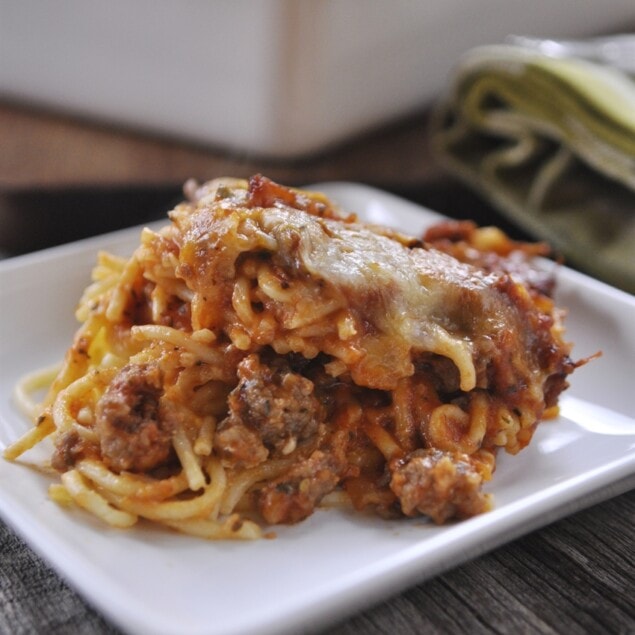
{"points": [[264, 354]]}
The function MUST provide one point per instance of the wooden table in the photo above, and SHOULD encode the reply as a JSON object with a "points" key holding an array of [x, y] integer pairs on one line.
{"points": [[574, 576]]}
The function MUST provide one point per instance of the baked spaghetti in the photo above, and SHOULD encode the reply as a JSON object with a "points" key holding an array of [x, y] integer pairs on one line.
{"points": [[264, 354]]}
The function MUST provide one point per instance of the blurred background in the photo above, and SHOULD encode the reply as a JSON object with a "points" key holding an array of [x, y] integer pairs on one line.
{"points": [[106, 108]]}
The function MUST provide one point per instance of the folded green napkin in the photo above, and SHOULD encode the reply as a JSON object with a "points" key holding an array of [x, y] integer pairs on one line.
{"points": [[550, 142]]}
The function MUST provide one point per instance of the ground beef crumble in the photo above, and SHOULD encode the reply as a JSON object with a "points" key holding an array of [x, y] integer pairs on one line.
{"points": [[272, 411], [441, 485], [135, 434], [293, 497]]}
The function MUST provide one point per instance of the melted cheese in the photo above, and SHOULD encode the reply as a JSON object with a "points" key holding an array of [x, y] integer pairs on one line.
{"points": [[404, 292]]}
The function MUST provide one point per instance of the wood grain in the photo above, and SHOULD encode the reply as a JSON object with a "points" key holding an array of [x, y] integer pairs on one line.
{"points": [[44, 149], [574, 577]]}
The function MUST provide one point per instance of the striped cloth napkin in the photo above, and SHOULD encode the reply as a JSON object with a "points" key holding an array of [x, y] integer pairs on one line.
{"points": [[550, 142]]}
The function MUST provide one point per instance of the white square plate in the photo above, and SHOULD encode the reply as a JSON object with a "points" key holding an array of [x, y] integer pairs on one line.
{"points": [[148, 580]]}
